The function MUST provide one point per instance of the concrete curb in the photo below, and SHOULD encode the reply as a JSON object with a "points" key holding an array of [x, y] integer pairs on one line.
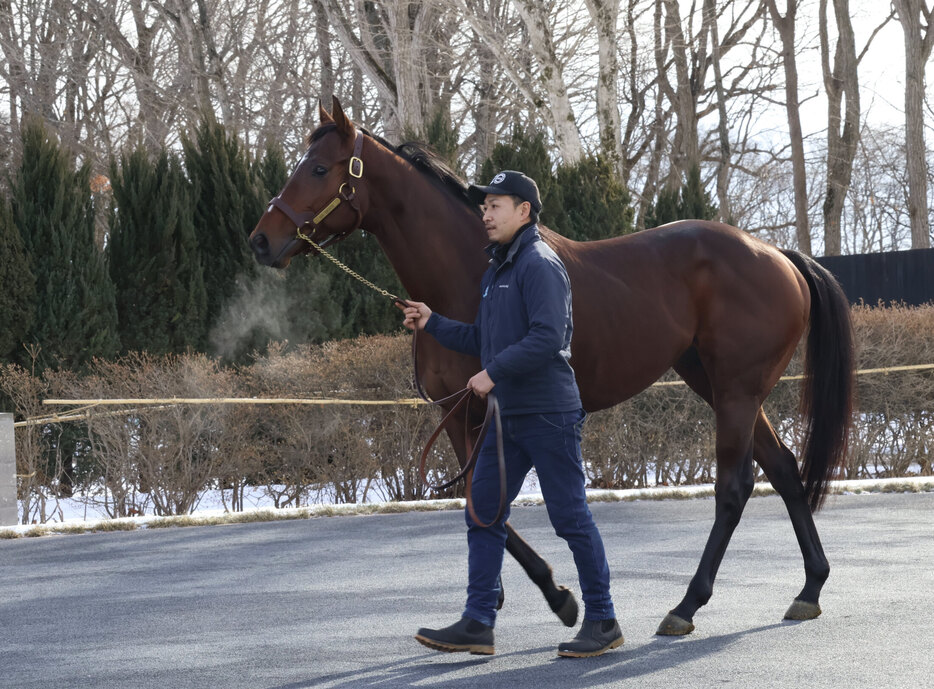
{"points": [[914, 484]]}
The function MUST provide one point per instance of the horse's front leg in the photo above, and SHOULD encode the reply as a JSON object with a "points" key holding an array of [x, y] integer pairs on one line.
{"points": [[560, 599], [735, 480]]}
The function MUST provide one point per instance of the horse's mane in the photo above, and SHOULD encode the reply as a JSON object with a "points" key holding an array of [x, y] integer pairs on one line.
{"points": [[421, 156]]}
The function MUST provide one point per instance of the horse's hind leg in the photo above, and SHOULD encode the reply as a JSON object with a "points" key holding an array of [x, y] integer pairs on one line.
{"points": [[781, 469]]}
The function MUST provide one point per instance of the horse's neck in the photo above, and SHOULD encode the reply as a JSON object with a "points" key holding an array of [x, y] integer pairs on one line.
{"points": [[434, 242]]}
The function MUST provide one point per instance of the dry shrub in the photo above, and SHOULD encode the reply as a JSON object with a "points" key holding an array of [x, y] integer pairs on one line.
{"points": [[663, 436], [41, 468], [893, 432], [345, 453], [165, 458], [169, 453], [666, 435]]}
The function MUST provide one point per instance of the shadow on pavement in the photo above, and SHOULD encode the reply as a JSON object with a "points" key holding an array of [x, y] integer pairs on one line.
{"points": [[658, 655]]}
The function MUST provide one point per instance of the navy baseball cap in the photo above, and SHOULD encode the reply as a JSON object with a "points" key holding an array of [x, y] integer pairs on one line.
{"points": [[508, 183]]}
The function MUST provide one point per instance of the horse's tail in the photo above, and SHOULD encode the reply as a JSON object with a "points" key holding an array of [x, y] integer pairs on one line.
{"points": [[827, 395]]}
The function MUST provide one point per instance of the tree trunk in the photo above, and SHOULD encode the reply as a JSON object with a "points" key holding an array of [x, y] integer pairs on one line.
{"points": [[724, 164], [364, 55], [405, 23], [322, 33], [152, 107], [551, 77], [685, 152], [483, 114], [605, 14], [214, 65], [786, 31], [633, 148], [841, 82], [918, 41], [191, 58]]}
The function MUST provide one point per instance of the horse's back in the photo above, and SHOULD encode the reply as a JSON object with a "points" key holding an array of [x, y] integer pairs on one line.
{"points": [[653, 294]]}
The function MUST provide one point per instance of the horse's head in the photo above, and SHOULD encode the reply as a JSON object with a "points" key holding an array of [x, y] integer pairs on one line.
{"points": [[321, 199]]}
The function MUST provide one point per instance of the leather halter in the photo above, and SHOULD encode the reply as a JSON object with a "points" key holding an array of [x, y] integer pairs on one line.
{"points": [[311, 218]]}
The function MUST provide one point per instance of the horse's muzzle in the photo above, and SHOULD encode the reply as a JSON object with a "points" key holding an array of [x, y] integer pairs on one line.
{"points": [[265, 254]]}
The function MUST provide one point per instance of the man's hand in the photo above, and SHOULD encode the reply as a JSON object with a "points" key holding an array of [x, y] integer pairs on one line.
{"points": [[481, 384], [416, 314]]}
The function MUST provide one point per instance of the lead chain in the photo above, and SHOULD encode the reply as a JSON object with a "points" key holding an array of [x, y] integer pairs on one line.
{"points": [[352, 273]]}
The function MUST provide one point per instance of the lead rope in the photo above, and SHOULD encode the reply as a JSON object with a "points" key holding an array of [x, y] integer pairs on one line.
{"points": [[463, 399]]}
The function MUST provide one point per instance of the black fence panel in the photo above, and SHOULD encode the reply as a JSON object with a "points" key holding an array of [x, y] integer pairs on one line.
{"points": [[893, 276]]}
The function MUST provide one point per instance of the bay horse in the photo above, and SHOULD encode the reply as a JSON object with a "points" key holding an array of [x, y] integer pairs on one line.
{"points": [[723, 309]]}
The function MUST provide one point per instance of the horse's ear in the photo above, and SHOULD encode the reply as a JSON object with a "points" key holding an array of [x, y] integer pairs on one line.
{"points": [[344, 125], [323, 114]]}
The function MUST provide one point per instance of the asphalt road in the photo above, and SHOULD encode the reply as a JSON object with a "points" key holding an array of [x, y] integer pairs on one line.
{"points": [[334, 602]]}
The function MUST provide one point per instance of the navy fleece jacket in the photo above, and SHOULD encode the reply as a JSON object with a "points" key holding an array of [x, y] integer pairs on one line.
{"points": [[522, 332]]}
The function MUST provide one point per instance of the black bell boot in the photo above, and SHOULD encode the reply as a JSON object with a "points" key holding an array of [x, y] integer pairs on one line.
{"points": [[467, 635], [595, 637]]}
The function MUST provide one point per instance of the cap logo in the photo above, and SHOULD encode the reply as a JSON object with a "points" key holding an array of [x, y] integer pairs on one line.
{"points": [[501, 177]]}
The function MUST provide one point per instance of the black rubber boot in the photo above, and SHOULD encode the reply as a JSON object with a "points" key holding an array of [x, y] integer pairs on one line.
{"points": [[595, 637], [467, 635]]}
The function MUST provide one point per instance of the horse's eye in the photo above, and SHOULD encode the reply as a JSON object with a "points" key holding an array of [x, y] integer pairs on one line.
{"points": [[319, 171]]}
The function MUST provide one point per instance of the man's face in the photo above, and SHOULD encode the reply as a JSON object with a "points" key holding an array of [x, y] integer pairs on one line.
{"points": [[503, 217]]}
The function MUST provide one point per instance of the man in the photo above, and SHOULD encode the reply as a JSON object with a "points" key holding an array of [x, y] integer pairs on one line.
{"points": [[522, 334]]}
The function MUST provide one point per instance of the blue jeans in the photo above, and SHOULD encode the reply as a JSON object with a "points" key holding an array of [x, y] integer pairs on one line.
{"points": [[550, 443]]}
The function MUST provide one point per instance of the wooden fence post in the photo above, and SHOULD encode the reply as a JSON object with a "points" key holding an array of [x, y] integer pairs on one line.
{"points": [[9, 513]]}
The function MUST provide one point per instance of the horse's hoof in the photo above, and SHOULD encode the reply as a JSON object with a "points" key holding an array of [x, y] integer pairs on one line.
{"points": [[673, 625], [802, 610], [565, 607]]}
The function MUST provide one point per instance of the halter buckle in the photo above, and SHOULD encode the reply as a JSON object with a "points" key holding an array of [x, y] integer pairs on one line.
{"points": [[356, 167]]}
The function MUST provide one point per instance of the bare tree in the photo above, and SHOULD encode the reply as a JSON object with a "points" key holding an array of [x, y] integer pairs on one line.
{"points": [[876, 211], [388, 42], [638, 83], [540, 80], [724, 167], [685, 149], [841, 82], [605, 15], [487, 97], [709, 61], [51, 53], [155, 113], [915, 17], [326, 89], [785, 24]]}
